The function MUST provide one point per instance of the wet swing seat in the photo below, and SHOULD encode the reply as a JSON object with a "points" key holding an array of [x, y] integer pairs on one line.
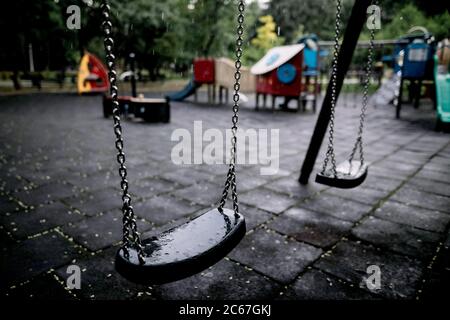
{"points": [[349, 175], [184, 250]]}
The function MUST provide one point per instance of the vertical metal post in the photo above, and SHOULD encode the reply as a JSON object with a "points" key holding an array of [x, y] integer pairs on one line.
{"points": [[133, 75], [352, 31]]}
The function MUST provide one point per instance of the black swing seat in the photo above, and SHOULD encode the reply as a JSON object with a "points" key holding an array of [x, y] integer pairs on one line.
{"points": [[349, 175], [184, 250]]}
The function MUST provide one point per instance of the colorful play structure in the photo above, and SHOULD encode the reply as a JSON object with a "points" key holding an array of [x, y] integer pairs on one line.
{"points": [[92, 75], [214, 73], [442, 80], [290, 72], [413, 62]]}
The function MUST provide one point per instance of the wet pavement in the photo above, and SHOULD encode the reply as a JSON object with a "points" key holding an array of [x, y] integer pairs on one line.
{"points": [[60, 204]]}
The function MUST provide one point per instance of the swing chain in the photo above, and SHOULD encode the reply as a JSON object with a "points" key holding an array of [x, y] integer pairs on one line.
{"points": [[330, 155], [131, 237], [368, 70], [231, 175]]}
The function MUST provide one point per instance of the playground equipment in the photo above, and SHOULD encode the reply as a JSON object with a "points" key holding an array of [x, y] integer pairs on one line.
{"points": [[213, 73], [197, 244], [92, 75], [151, 110], [350, 173], [442, 81], [414, 62], [286, 71]]}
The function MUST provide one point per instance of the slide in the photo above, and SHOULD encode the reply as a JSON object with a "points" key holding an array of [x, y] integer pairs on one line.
{"points": [[188, 90]]}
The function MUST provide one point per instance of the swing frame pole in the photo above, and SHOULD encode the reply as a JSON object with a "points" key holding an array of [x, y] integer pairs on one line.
{"points": [[355, 24]]}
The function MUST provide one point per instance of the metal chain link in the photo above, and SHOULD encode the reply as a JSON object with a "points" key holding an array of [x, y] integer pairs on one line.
{"points": [[330, 155], [368, 75], [231, 175], [131, 237]]}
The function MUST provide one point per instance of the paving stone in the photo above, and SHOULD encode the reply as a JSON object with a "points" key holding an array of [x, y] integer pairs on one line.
{"points": [[100, 280], [400, 275], [337, 207], [429, 186], [45, 194], [204, 193], [43, 287], [267, 200], [101, 231], [316, 285], [316, 228], [293, 188], [165, 208], [397, 167], [11, 182], [254, 216], [361, 194], [382, 183], [7, 205], [434, 175], [54, 150], [94, 182], [398, 237], [225, 280], [186, 177], [44, 217], [437, 163], [246, 182], [148, 187], [413, 216], [32, 257], [408, 156], [422, 199], [97, 202], [274, 255]]}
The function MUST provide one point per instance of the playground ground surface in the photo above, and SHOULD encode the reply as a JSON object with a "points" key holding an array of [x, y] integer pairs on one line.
{"points": [[59, 205]]}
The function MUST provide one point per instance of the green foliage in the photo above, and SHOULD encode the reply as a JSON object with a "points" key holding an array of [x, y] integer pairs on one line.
{"points": [[266, 37], [167, 35], [410, 16]]}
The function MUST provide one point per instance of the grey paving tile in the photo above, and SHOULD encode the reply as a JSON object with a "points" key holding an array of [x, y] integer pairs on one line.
{"points": [[274, 255], [267, 200], [292, 187], [339, 208], [97, 202], [165, 208], [400, 275], [316, 285], [186, 177], [100, 280], [398, 237], [225, 280], [422, 199], [361, 194], [25, 260], [254, 216], [45, 194], [44, 288], [440, 176], [205, 193], [101, 231], [316, 228], [44, 217], [413, 216]]}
